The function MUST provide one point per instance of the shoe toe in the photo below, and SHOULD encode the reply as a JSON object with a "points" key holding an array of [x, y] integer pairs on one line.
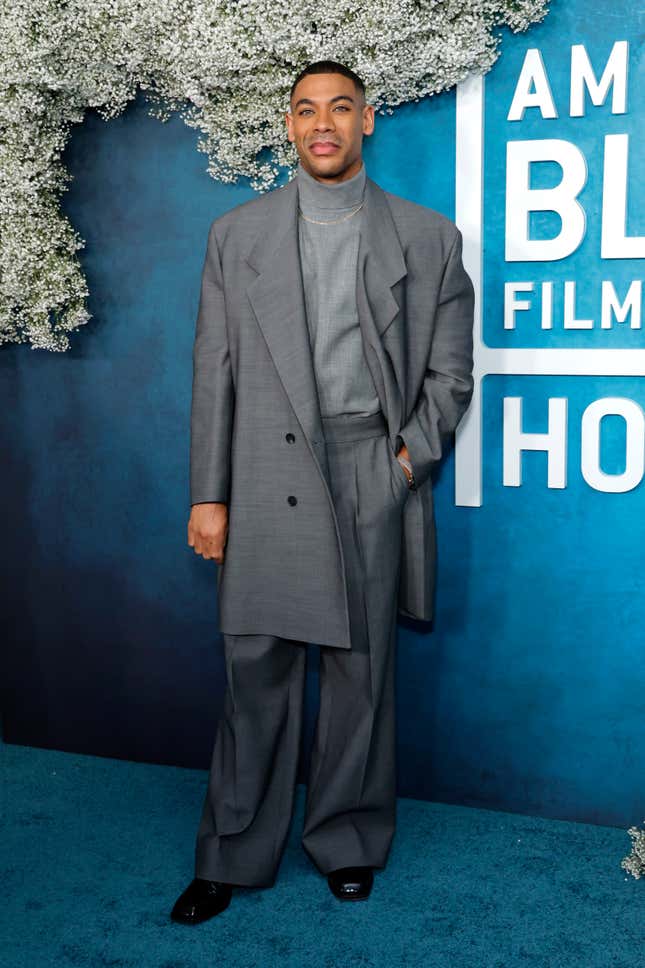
{"points": [[202, 899], [351, 883]]}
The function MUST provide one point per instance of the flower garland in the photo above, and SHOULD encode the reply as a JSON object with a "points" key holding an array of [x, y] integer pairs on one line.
{"points": [[226, 66]]}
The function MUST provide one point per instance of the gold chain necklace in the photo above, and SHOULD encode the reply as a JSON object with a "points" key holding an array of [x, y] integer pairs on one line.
{"points": [[331, 221]]}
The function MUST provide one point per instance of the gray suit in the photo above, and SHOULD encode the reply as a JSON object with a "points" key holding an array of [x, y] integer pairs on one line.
{"points": [[254, 384], [325, 539]]}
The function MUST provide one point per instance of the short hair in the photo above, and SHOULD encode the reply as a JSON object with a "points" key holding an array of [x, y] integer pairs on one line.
{"points": [[328, 67]]}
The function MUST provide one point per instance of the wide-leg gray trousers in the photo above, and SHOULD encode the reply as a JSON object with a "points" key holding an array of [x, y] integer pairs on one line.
{"points": [[351, 789]]}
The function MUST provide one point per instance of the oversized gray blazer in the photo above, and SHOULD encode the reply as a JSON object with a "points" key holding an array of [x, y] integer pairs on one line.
{"points": [[254, 386]]}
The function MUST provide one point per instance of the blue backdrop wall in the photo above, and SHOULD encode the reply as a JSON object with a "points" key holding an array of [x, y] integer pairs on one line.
{"points": [[527, 695]]}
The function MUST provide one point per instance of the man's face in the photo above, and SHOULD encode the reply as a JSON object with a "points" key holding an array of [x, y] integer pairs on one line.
{"points": [[327, 122]]}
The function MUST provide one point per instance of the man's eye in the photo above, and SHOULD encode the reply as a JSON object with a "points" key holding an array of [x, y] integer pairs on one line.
{"points": [[343, 107]]}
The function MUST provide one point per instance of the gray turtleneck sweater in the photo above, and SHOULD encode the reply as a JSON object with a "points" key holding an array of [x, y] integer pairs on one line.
{"points": [[328, 257]]}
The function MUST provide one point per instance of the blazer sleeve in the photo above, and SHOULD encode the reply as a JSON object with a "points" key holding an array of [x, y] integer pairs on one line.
{"points": [[448, 383], [213, 396]]}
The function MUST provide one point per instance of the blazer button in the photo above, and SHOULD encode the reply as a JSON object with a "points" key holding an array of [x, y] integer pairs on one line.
{"points": [[290, 438], [292, 499]]}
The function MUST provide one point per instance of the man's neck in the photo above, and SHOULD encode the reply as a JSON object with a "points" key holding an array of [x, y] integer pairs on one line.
{"points": [[316, 196]]}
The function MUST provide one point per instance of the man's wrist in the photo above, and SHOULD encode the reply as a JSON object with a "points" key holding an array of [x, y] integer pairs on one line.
{"points": [[409, 472]]}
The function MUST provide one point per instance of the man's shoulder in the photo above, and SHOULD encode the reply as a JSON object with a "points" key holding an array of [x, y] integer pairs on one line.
{"points": [[411, 217], [251, 213]]}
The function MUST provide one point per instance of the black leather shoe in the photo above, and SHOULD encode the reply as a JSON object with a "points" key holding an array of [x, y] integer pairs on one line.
{"points": [[351, 883], [201, 900]]}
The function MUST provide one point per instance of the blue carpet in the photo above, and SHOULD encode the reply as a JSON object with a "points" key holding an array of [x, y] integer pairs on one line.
{"points": [[94, 852]]}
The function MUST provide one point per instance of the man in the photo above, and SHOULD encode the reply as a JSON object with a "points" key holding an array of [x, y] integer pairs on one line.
{"points": [[333, 353]]}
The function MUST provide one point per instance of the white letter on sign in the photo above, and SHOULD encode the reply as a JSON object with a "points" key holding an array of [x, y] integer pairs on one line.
{"points": [[521, 199], [631, 306], [614, 75], [634, 419], [554, 442], [511, 304], [616, 244], [533, 74]]}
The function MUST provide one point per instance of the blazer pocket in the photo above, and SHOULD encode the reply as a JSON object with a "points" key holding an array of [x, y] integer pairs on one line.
{"points": [[401, 479]]}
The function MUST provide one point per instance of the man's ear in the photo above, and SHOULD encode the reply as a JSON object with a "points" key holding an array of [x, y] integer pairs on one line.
{"points": [[368, 120]]}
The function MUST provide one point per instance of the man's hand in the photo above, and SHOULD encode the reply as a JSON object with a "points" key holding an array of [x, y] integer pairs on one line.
{"points": [[208, 530], [404, 453]]}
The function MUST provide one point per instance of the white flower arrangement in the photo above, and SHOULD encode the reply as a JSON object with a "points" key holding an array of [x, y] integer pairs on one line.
{"points": [[226, 66], [634, 863]]}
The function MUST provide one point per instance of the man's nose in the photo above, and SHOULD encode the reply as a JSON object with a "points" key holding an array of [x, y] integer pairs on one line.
{"points": [[323, 123]]}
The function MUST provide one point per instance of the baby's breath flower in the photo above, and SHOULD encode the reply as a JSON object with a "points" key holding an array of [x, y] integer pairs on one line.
{"points": [[635, 862]]}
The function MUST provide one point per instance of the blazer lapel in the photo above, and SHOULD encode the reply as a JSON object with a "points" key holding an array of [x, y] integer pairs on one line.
{"points": [[380, 300], [381, 261], [277, 298]]}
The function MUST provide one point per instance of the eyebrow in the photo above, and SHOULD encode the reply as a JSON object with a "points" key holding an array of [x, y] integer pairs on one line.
{"points": [[308, 100]]}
